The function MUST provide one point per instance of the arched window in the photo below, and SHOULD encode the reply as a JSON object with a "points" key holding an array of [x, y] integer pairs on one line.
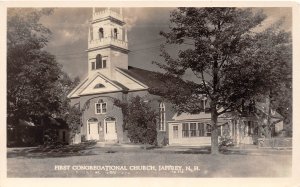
{"points": [[162, 117], [115, 33], [92, 120], [99, 85], [98, 61], [101, 33]]}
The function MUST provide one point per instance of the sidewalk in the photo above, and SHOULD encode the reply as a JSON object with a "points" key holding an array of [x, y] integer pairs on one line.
{"points": [[254, 150], [243, 149]]}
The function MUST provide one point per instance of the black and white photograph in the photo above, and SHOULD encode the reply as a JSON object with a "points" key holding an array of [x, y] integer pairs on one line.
{"points": [[155, 92]]}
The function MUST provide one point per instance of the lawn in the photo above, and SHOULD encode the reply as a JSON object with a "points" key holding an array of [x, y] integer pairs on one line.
{"points": [[92, 161]]}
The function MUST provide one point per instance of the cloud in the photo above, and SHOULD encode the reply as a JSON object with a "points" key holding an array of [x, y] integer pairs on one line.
{"points": [[68, 25], [140, 17], [70, 33], [276, 14]]}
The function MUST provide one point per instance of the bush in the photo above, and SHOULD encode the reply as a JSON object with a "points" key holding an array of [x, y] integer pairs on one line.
{"points": [[139, 120], [225, 141]]}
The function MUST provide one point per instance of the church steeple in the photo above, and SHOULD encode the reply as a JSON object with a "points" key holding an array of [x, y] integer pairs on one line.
{"points": [[107, 42]]}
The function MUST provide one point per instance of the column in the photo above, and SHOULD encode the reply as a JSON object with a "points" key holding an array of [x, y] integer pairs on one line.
{"points": [[126, 34], [238, 132]]}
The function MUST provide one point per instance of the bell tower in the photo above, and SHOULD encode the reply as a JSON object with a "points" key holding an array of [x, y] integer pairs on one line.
{"points": [[107, 42]]}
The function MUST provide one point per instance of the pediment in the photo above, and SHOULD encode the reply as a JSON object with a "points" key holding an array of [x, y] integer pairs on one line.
{"points": [[100, 84], [95, 84]]}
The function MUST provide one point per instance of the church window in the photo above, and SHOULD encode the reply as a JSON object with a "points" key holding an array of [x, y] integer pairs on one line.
{"points": [[103, 108], [93, 65], [101, 33], [98, 61], [104, 63], [162, 117], [100, 107], [99, 86], [115, 33]]}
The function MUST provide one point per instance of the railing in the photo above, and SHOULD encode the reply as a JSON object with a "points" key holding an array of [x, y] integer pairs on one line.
{"points": [[108, 41], [107, 13]]}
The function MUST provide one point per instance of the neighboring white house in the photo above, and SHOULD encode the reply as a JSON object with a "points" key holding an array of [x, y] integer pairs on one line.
{"points": [[195, 129]]}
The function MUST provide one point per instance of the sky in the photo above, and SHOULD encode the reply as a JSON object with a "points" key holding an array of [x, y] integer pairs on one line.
{"points": [[69, 39]]}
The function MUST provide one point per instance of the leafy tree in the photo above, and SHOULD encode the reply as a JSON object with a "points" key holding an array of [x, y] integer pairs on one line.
{"points": [[232, 62], [71, 114], [139, 120], [32, 73], [36, 85]]}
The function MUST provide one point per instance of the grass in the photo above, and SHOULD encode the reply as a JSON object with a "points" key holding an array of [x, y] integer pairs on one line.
{"points": [[41, 162]]}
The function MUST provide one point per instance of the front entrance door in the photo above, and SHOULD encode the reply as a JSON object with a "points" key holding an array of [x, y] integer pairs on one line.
{"points": [[93, 131], [110, 130]]}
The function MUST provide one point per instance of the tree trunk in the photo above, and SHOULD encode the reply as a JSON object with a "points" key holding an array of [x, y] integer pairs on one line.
{"points": [[214, 113], [214, 132]]}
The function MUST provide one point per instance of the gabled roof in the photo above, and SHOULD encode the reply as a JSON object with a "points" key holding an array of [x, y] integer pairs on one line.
{"points": [[78, 90], [146, 77], [74, 92]]}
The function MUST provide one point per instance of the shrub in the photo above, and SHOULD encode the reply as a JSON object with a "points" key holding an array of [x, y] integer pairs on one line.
{"points": [[225, 141], [139, 120]]}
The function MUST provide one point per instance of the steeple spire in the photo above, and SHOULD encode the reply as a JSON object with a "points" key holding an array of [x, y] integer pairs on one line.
{"points": [[107, 41]]}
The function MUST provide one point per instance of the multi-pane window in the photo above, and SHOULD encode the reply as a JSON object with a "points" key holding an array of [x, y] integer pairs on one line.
{"points": [[193, 129], [196, 129], [100, 108], [103, 108], [208, 130], [162, 117], [175, 131], [201, 129], [185, 130]]}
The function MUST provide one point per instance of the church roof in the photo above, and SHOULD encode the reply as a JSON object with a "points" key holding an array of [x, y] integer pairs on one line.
{"points": [[149, 78], [146, 79]]}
